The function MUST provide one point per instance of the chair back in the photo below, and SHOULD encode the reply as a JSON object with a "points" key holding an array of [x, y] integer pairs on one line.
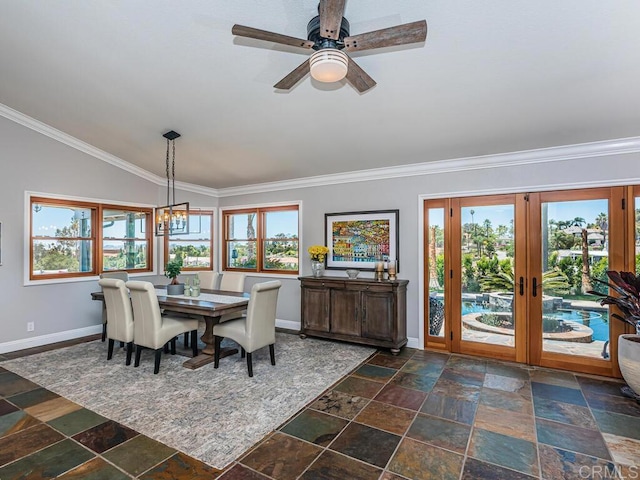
{"points": [[146, 312], [261, 315], [208, 279], [232, 281], [124, 276], [119, 313]]}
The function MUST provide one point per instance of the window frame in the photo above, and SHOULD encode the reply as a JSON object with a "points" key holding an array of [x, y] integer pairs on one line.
{"points": [[260, 239], [149, 236], [96, 236], [167, 239]]}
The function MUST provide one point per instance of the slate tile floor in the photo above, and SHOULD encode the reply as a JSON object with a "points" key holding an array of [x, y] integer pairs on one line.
{"points": [[419, 415]]}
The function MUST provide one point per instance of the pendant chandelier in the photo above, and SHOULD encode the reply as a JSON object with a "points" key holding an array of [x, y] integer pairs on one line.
{"points": [[173, 218]]}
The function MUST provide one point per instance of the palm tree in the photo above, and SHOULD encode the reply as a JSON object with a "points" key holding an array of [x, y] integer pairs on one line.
{"points": [[602, 223], [504, 281]]}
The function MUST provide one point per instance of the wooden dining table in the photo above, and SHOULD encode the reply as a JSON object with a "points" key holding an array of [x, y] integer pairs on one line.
{"points": [[210, 305]]}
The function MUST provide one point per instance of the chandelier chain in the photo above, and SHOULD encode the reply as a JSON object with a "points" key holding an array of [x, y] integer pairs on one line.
{"points": [[173, 170], [167, 164]]}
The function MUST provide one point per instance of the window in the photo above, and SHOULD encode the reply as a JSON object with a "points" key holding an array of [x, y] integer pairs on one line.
{"points": [[125, 241], [261, 239], [76, 238], [194, 248]]}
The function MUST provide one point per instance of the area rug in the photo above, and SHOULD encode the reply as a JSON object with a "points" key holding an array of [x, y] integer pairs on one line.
{"points": [[212, 415]]}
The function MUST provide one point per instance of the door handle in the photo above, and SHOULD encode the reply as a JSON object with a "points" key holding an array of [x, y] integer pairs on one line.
{"points": [[521, 286], [535, 287]]}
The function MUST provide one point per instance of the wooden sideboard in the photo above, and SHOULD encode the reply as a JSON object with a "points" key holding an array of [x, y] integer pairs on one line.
{"points": [[367, 311]]}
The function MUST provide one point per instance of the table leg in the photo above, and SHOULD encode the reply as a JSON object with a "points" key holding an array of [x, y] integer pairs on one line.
{"points": [[207, 352]]}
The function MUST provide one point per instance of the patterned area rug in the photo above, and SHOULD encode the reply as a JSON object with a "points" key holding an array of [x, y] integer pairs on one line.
{"points": [[212, 415]]}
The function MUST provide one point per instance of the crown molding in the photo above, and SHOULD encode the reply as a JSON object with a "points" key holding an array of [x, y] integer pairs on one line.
{"points": [[525, 157], [542, 155]]}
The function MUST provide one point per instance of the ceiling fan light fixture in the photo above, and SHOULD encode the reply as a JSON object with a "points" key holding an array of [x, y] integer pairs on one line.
{"points": [[329, 65]]}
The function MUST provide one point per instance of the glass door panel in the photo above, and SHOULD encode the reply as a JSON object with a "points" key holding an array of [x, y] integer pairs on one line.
{"points": [[574, 250], [434, 274], [487, 274]]}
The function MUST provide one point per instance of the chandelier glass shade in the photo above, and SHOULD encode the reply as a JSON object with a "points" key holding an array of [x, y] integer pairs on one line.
{"points": [[173, 218], [329, 65]]}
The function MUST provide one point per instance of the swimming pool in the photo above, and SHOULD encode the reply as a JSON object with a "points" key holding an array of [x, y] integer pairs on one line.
{"points": [[594, 320]]}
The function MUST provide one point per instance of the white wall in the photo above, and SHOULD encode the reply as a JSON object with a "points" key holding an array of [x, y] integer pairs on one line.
{"points": [[31, 161], [34, 162]]}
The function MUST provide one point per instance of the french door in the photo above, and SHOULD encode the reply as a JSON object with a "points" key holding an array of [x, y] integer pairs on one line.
{"points": [[508, 276]]}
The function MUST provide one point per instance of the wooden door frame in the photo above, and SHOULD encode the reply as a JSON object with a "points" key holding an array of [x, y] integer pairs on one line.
{"points": [[616, 261], [433, 342], [519, 351]]}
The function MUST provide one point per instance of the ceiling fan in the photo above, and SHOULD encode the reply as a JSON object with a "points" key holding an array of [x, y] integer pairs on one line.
{"points": [[328, 34]]}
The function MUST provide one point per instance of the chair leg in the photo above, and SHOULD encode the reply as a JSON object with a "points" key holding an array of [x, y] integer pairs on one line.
{"points": [[194, 342], [138, 352], [129, 352], [166, 347], [104, 331], [249, 364], [272, 354], [185, 339], [110, 349], [216, 355], [173, 346], [242, 352], [156, 367]]}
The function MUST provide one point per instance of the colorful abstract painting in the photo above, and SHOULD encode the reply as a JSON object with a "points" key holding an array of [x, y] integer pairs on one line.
{"points": [[359, 239]]}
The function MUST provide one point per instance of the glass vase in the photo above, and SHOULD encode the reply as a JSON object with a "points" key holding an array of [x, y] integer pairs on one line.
{"points": [[317, 268]]}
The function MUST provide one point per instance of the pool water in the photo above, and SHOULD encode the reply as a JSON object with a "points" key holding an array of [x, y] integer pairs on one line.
{"points": [[594, 320]]}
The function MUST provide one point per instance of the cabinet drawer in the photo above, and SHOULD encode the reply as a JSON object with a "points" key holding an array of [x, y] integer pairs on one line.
{"points": [[320, 283], [378, 287]]}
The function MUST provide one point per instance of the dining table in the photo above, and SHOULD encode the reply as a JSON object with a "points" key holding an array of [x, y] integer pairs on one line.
{"points": [[210, 305]]}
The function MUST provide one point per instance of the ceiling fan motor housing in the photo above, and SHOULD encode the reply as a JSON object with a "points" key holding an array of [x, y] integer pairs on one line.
{"points": [[313, 34]]}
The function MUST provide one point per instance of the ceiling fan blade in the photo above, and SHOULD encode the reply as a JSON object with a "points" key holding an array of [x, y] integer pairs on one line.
{"points": [[358, 77], [398, 35], [258, 34], [331, 12], [294, 77]]}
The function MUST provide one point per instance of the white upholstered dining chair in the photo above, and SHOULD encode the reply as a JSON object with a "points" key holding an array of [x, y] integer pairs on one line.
{"points": [[118, 308], [153, 330], [124, 276], [208, 279], [232, 282], [257, 329]]}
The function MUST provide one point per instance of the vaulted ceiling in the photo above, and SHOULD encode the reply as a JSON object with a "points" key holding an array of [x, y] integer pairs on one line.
{"points": [[493, 76]]}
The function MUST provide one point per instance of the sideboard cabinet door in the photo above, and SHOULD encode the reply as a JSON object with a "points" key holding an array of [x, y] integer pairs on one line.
{"points": [[377, 315], [345, 312], [315, 308]]}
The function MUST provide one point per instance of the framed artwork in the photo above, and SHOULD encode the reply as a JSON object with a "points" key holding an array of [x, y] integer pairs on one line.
{"points": [[360, 239]]}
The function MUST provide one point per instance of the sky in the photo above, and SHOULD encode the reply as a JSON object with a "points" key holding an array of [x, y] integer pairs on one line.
{"points": [[503, 214], [49, 219]]}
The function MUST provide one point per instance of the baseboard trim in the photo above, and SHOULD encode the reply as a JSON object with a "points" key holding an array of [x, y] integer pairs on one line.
{"points": [[288, 325], [24, 343]]}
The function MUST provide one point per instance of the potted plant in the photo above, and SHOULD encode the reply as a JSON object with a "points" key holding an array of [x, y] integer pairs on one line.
{"points": [[171, 270], [627, 286]]}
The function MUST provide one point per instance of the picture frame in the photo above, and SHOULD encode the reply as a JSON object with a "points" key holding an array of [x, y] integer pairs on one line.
{"points": [[360, 239]]}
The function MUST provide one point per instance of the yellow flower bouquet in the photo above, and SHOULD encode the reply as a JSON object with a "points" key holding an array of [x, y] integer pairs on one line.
{"points": [[318, 252]]}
